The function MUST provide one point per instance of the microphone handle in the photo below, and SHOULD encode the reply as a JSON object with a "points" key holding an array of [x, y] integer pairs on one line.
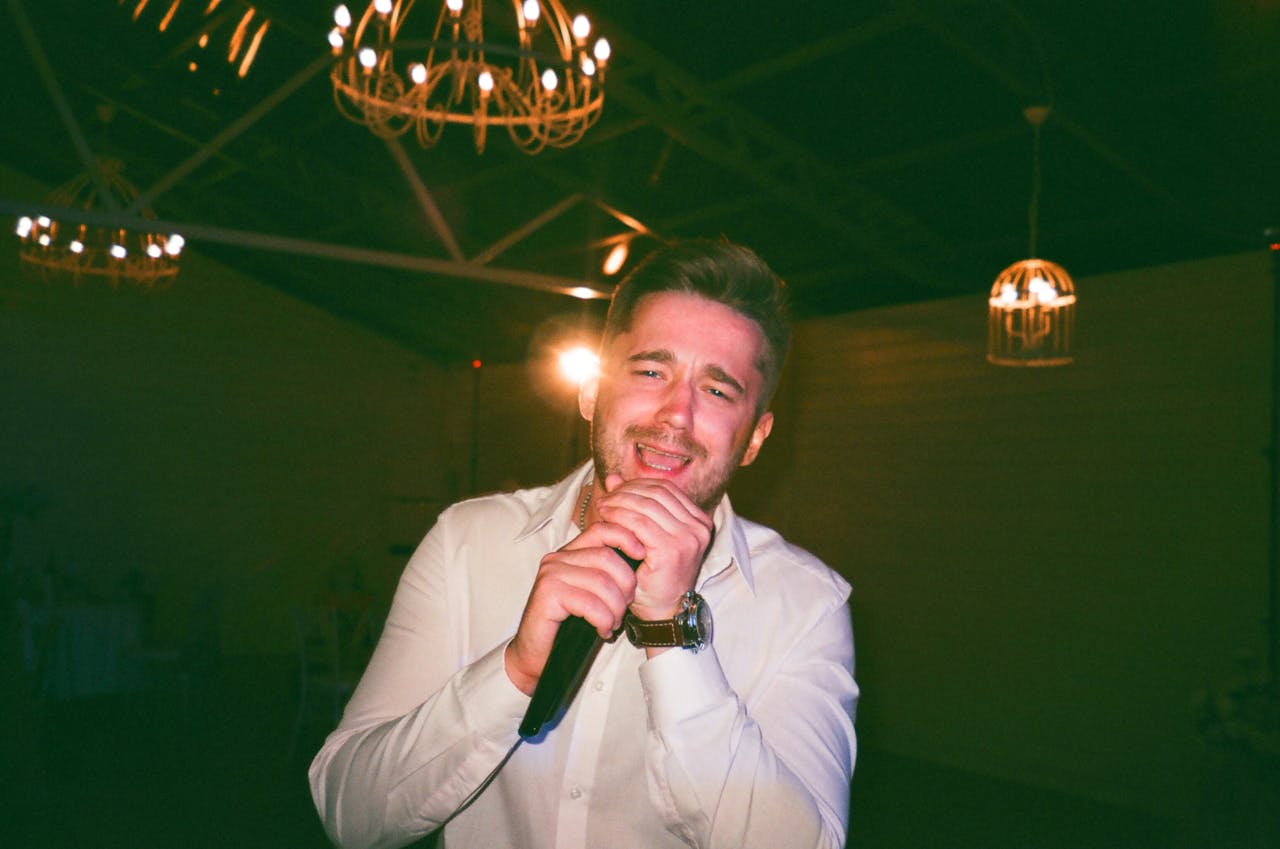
{"points": [[572, 652]]}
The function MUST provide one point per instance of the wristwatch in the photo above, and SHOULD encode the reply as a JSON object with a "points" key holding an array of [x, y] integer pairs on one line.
{"points": [[689, 629]]}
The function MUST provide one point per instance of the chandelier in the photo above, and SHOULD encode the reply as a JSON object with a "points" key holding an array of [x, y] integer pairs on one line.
{"points": [[87, 250], [544, 86], [1032, 305]]}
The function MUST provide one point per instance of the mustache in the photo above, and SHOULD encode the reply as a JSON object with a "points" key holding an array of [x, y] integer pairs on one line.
{"points": [[666, 439]]}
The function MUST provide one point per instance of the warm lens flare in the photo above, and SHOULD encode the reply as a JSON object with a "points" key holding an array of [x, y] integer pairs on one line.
{"points": [[578, 365]]}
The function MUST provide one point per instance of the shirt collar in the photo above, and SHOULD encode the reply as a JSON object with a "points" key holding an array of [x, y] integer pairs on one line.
{"points": [[728, 546]]}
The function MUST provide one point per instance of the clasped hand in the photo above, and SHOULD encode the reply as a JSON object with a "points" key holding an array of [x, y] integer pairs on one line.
{"points": [[649, 520]]}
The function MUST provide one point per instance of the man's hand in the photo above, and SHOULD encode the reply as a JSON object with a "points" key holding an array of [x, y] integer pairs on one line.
{"points": [[585, 578], [674, 532]]}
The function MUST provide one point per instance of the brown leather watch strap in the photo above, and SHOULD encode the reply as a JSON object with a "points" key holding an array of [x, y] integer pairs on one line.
{"points": [[652, 634]]}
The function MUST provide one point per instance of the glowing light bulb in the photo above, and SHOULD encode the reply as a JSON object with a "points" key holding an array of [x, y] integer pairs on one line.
{"points": [[485, 81], [119, 252], [549, 80], [368, 58], [335, 39], [76, 246], [579, 365], [382, 7], [418, 73], [531, 11], [616, 258], [1008, 293], [24, 226], [173, 245], [455, 6], [342, 16], [583, 293], [602, 51], [588, 66], [44, 221], [581, 27], [44, 240], [154, 251]]}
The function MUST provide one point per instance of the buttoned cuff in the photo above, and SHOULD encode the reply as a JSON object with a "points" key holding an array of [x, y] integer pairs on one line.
{"points": [[680, 684]]}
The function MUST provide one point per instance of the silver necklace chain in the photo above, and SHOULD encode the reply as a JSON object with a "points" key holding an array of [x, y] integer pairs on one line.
{"points": [[582, 511]]}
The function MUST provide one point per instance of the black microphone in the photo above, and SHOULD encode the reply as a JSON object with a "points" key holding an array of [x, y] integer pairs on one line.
{"points": [[572, 652]]}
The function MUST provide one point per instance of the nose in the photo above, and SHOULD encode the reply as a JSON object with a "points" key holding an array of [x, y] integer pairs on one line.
{"points": [[677, 405]]}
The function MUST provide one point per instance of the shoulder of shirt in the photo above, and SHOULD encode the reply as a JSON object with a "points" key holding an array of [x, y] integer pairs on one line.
{"points": [[515, 507], [774, 560]]}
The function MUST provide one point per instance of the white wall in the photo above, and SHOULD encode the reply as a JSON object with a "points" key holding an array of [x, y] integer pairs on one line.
{"points": [[1047, 563], [219, 436]]}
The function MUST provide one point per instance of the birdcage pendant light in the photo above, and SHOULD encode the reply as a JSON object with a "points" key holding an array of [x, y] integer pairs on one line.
{"points": [[544, 85], [1032, 306]]}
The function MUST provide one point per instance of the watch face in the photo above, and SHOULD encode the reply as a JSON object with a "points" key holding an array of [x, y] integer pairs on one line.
{"points": [[696, 622]]}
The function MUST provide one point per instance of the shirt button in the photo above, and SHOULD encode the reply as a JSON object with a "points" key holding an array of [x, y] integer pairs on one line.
{"points": [[575, 793], [599, 686]]}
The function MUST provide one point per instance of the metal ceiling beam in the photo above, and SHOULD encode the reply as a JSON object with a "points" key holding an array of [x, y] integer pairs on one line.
{"points": [[195, 233], [50, 80], [231, 132], [428, 203], [525, 230], [738, 141]]}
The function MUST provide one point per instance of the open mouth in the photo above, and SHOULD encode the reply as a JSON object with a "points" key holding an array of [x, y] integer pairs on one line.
{"points": [[660, 461]]}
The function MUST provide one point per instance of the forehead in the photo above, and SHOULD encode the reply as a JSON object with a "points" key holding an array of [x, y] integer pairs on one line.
{"points": [[695, 330]]}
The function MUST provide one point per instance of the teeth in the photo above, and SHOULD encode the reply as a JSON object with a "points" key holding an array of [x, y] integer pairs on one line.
{"points": [[648, 455]]}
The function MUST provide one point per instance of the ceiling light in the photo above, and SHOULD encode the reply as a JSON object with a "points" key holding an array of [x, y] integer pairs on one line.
{"points": [[545, 89], [1032, 306], [79, 250]]}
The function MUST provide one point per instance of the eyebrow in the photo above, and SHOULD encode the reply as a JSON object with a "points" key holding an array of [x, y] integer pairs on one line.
{"points": [[665, 356]]}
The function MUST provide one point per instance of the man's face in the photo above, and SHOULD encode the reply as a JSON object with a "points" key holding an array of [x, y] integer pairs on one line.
{"points": [[676, 396]]}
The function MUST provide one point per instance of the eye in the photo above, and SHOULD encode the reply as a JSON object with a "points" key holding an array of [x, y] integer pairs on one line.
{"points": [[717, 392]]}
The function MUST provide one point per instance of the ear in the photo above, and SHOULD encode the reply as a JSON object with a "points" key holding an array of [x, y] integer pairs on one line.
{"points": [[587, 397], [759, 434]]}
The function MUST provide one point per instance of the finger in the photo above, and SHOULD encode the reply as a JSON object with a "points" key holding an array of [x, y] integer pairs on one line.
{"points": [[665, 506], [593, 584], [677, 502], [608, 535]]}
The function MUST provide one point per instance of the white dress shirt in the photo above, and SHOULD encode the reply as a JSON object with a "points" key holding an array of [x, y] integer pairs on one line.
{"points": [[749, 743]]}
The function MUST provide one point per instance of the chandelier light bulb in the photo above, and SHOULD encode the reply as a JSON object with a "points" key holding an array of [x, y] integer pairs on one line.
{"points": [[24, 226], [545, 90], [154, 251], [76, 246], [583, 293], [44, 221], [44, 240], [118, 251], [173, 245]]}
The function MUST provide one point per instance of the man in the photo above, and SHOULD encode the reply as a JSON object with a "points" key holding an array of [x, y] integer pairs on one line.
{"points": [[736, 736]]}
